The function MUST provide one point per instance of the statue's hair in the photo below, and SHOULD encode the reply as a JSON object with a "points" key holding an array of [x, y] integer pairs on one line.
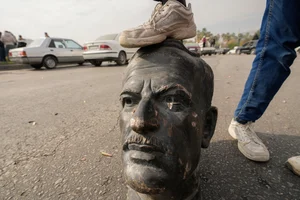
{"points": [[195, 66]]}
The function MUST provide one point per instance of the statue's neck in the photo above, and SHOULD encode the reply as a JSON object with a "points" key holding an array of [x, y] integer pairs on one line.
{"points": [[187, 191]]}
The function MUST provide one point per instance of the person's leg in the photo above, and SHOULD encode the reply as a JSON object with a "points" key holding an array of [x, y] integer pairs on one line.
{"points": [[1, 54], [4, 54], [169, 20], [7, 48], [280, 35]]}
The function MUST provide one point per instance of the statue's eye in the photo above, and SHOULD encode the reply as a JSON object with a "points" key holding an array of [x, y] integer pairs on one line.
{"points": [[127, 101], [175, 103]]}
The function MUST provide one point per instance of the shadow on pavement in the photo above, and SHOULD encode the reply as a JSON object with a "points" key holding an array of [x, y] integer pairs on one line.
{"points": [[9, 67], [227, 174], [60, 67]]}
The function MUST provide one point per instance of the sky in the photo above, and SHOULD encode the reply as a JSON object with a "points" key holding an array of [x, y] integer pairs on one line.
{"points": [[86, 20]]}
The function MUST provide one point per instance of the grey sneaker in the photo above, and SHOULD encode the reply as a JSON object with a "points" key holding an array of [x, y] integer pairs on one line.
{"points": [[249, 143], [294, 164], [172, 20]]}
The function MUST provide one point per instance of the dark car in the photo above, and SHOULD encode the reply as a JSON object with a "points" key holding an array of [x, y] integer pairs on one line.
{"points": [[222, 50], [193, 47], [247, 48]]}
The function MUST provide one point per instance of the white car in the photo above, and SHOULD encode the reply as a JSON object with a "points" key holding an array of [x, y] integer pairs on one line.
{"points": [[233, 51], [107, 48], [48, 52]]}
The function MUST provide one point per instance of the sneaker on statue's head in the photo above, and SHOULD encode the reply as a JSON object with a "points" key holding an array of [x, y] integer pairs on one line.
{"points": [[172, 20]]}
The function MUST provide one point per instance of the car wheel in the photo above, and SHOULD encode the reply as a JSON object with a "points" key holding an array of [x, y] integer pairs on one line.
{"points": [[81, 63], [253, 51], [238, 52], [50, 62], [37, 66], [96, 63], [122, 59]]}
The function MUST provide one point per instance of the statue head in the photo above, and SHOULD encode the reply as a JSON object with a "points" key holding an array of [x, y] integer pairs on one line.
{"points": [[166, 119]]}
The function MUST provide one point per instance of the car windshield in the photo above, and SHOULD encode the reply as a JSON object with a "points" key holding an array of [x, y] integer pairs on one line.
{"points": [[107, 37], [36, 43]]}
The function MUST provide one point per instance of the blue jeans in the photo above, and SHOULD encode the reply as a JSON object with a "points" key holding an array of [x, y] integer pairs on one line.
{"points": [[280, 35]]}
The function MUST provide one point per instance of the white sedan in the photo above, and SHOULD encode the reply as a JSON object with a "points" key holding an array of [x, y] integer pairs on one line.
{"points": [[48, 52], [107, 48], [233, 51]]}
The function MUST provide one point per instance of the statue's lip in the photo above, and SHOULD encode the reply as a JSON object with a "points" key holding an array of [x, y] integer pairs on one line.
{"points": [[144, 148]]}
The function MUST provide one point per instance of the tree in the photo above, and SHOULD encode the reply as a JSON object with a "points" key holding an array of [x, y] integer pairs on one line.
{"points": [[202, 33]]}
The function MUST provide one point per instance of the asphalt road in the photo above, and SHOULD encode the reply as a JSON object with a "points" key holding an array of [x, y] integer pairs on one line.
{"points": [[54, 125]]}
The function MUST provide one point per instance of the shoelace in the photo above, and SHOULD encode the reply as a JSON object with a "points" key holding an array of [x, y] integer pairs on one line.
{"points": [[157, 10], [249, 137]]}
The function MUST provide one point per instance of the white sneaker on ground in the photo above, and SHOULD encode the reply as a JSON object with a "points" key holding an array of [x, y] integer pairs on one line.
{"points": [[294, 164], [172, 20], [249, 143]]}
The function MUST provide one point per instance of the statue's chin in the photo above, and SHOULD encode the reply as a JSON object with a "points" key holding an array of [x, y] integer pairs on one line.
{"points": [[147, 180]]}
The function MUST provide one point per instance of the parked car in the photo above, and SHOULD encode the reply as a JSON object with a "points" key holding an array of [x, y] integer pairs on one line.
{"points": [[233, 51], [193, 47], [248, 48], [107, 48], [24, 43], [222, 50], [207, 51], [48, 52]]}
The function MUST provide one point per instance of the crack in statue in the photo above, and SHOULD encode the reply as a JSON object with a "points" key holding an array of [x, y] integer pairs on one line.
{"points": [[166, 119]]}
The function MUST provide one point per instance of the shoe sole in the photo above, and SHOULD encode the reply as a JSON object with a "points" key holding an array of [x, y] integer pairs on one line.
{"points": [[141, 42], [177, 34], [290, 167], [253, 158]]}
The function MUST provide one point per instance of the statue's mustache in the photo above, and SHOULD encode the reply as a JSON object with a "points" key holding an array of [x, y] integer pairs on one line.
{"points": [[145, 140]]}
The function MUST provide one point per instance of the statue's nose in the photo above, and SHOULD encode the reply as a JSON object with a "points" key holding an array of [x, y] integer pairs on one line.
{"points": [[144, 119]]}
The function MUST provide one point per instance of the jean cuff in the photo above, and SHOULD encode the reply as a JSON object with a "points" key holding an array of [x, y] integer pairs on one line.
{"points": [[240, 121]]}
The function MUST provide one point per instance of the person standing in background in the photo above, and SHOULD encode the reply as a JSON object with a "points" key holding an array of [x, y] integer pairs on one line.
{"points": [[10, 42], [2, 49], [204, 41], [21, 42], [213, 42]]}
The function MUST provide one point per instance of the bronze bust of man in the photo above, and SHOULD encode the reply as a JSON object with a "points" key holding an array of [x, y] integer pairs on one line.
{"points": [[165, 121]]}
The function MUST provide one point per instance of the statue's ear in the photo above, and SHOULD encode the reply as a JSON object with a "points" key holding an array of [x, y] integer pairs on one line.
{"points": [[209, 126]]}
